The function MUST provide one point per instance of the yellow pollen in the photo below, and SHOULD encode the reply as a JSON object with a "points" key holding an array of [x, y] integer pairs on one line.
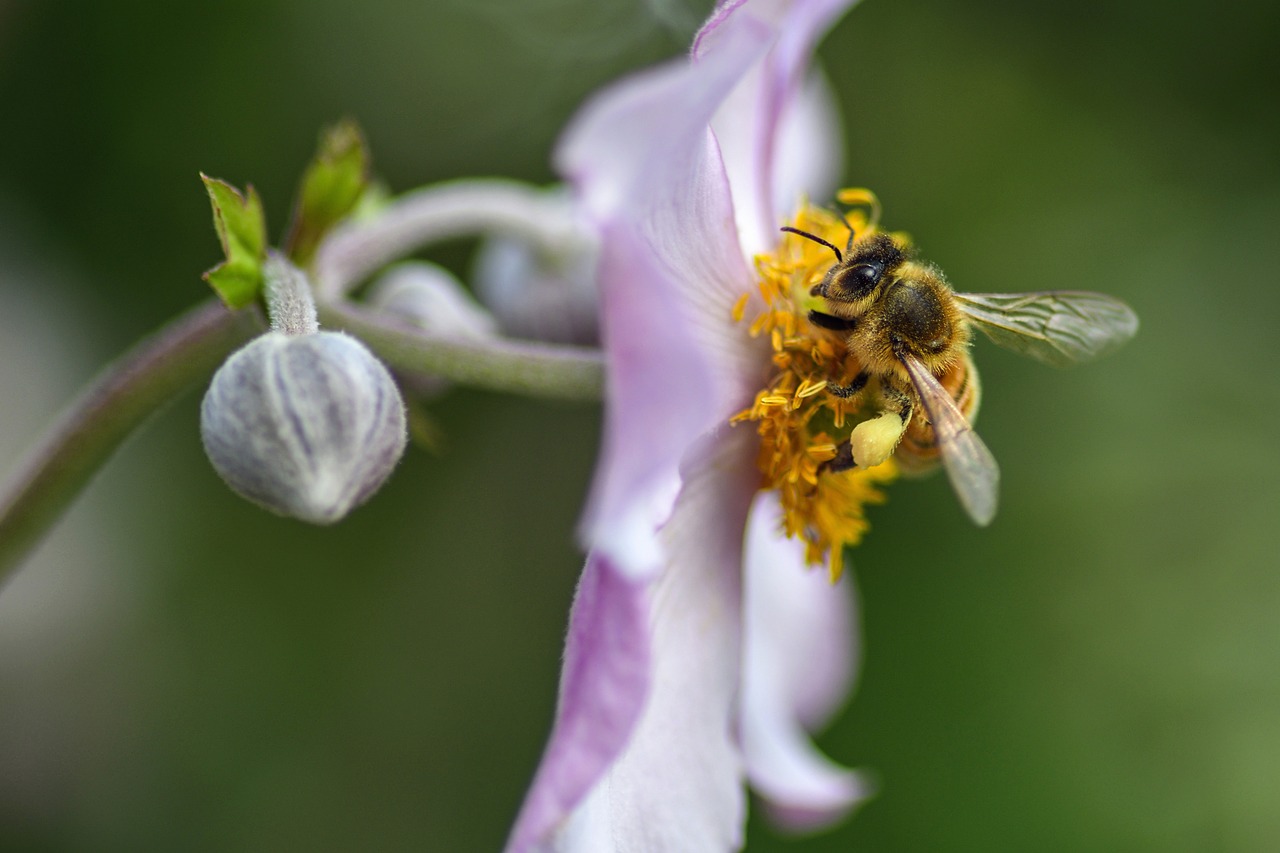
{"points": [[800, 422]]}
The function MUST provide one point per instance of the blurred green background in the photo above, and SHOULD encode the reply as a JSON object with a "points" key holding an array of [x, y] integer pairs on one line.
{"points": [[1099, 670]]}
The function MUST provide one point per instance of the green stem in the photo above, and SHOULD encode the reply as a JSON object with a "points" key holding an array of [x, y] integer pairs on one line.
{"points": [[191, 347], [500, 364], [123, 395], [440, 212]]}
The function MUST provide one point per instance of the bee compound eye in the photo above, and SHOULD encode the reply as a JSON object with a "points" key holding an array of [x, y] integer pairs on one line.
{"points": [[860, 278], [867, 274]]}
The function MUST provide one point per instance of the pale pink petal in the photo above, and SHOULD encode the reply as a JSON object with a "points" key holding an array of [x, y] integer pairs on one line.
{"points": [[678, 786], [809, 157], [656, 764], [799, 658], [602, 690], [748, 125], [712, 30], [650, 178], [809, 623]]}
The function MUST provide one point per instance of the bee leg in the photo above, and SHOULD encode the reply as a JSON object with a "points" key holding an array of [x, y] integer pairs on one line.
{"points": [[844, 392], [905, 405], [874, 440], [832, 322], [843, 460]]}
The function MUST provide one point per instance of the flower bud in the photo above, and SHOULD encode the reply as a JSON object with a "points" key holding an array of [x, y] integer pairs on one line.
{"points": [[307, 425], [541, 292], [430, 297]]}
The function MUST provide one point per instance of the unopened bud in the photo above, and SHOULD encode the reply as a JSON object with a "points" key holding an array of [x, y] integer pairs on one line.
{"points": [[305, 425], [543, 292], [431, 298]]}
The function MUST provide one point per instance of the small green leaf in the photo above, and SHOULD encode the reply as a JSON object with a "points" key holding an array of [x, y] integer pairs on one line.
{"points": [[331, 188], [242, 230]]}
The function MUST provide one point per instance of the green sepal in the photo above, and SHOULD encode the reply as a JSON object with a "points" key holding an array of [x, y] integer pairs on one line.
{"points": [[331, 188], [377, 197], [242, 231], [424, 430]]}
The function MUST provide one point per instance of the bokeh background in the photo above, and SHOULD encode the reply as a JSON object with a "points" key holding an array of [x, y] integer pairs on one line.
{"points": [[1099, 670]]}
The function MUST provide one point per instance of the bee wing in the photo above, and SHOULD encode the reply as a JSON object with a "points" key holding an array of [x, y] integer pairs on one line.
{"points": [[1058, 327], [970, 466]]}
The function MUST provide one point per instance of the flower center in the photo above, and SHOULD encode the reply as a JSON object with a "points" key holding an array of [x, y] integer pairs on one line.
{"points": [[801, 422]]}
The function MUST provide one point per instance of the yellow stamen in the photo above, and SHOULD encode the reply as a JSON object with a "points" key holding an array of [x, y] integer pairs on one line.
{"points": [[795, 409], [807, 390]]}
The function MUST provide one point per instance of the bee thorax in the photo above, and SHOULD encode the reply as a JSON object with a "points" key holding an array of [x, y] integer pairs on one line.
{"points": [[916, 317]]}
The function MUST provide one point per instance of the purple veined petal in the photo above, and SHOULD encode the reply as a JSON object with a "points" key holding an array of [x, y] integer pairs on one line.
{"points": [[678, 785], [809, 157], [602, 691], [649, 175], [799, 658], [709, 32], [806, 618], [749, 124]]}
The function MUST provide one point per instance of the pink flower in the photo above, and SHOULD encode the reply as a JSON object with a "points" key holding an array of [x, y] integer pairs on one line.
{"points": [[701, 648]]}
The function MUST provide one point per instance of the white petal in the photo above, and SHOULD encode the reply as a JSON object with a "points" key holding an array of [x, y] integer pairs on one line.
{"points": [[798, 664], [810, 153], [650, 178], [678, 786], [749, 125], [602, 691]]}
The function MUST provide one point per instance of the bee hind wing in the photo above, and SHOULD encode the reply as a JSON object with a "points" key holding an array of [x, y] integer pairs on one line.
{"points": [[972, 469], [1057, 327]]}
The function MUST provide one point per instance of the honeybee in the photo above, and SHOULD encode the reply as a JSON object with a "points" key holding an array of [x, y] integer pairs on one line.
{"points": [[910, 332]]}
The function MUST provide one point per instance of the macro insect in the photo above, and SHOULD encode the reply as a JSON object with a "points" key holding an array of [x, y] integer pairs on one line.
{"points": [[909, 332]]}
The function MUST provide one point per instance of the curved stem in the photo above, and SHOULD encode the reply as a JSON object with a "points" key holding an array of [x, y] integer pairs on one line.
{"points": [[440, 212], [191, 347], [500, 364], [123, 395]]}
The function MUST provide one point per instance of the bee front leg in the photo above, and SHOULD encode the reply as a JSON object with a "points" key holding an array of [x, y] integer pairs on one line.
{"points": [[832, 322]]}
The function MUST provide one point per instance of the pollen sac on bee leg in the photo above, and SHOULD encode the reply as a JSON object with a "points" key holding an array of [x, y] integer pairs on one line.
{"points": [[874, 440], [307, 426]]}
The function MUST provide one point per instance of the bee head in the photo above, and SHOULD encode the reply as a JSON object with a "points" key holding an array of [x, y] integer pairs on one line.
{"points": [[867, 264]]}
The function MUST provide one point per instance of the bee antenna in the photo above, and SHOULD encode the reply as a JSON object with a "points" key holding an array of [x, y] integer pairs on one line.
{"points": [[815, 238]]}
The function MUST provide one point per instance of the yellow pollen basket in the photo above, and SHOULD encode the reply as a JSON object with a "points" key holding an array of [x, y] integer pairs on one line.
{"points": [[801, 423]]}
